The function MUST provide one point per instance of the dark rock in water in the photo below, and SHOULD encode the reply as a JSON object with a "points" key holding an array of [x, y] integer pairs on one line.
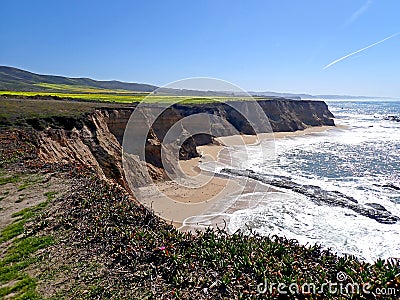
{"points": [[389, 185], [345, 196], [322, 197], [376, 206], [392, 118]]}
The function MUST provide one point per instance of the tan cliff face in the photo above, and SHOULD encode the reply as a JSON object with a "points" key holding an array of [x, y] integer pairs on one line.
{"points": [[92, 145], [292, 115], [96, 139]]}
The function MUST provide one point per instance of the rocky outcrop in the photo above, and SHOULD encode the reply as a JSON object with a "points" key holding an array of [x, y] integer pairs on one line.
{"points": [[389, 185], [282, 114], [392, 118], [321, 197]]}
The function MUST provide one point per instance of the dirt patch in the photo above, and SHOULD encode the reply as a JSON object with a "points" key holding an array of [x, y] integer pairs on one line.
{"points": [[29, 190]]}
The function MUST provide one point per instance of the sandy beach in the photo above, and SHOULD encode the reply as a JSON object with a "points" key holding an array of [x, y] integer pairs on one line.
{"points": [[206, 191]]}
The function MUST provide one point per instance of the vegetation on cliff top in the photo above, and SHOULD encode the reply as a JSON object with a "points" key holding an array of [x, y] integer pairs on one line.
{"points": [[126, 98], [18, 107]]}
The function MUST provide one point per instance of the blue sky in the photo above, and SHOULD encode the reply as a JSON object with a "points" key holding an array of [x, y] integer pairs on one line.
{"points": [[280, 46]]}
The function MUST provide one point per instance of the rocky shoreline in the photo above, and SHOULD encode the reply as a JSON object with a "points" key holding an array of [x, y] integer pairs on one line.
{"points": [[321, 197]]}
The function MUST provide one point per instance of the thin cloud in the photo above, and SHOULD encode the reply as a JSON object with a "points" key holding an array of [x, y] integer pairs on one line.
{"points": [[358, 51], [359, 12]]}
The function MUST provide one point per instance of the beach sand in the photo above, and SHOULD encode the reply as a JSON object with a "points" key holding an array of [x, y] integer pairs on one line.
{"points": [[205, 191]]}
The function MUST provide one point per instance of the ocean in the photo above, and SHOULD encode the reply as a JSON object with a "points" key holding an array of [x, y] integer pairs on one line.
{"points": [[360, 159]]}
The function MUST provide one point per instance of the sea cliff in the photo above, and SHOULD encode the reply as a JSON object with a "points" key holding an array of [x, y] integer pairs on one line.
{"points": [[95, 138]]}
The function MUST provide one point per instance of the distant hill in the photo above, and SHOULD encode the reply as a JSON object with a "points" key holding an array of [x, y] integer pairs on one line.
{"points": [[311, 97], [13, 79], [281, 95]]}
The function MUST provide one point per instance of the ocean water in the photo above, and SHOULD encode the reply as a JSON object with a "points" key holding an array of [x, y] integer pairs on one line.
{"points": [[358, 159]]}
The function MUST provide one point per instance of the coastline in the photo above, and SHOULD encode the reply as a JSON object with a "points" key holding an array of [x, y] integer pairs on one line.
{"points": [[177, 203], [95, 221]]}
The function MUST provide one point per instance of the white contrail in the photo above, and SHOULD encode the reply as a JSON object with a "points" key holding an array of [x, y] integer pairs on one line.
{"points": [[359, 12], [358, 51]]}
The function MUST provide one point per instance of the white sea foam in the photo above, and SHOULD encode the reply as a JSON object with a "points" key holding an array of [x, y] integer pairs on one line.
{"points": [[356, 161]]}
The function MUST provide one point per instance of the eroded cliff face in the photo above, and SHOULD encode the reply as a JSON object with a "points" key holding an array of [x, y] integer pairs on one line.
{"points": [[95, 140], [292, 115], [89, 143]]}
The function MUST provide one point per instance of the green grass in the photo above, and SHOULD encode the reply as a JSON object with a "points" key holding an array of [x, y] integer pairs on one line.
{"points": [[17, 259], [83, 89], [124, 98], [24, 186], [15, 110], [17, 227], [19, 255], [29, 181], [9, 179], [50, 195], [103, 97]]}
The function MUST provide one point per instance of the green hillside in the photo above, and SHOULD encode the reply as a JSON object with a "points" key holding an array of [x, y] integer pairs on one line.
{"points": [[13, 79]]}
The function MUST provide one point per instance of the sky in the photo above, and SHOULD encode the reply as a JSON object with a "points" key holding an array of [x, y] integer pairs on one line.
{"points": [[307, 46]]}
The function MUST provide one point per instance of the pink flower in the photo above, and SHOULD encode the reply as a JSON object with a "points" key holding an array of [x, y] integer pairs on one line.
{"points": [[162, 248]]}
